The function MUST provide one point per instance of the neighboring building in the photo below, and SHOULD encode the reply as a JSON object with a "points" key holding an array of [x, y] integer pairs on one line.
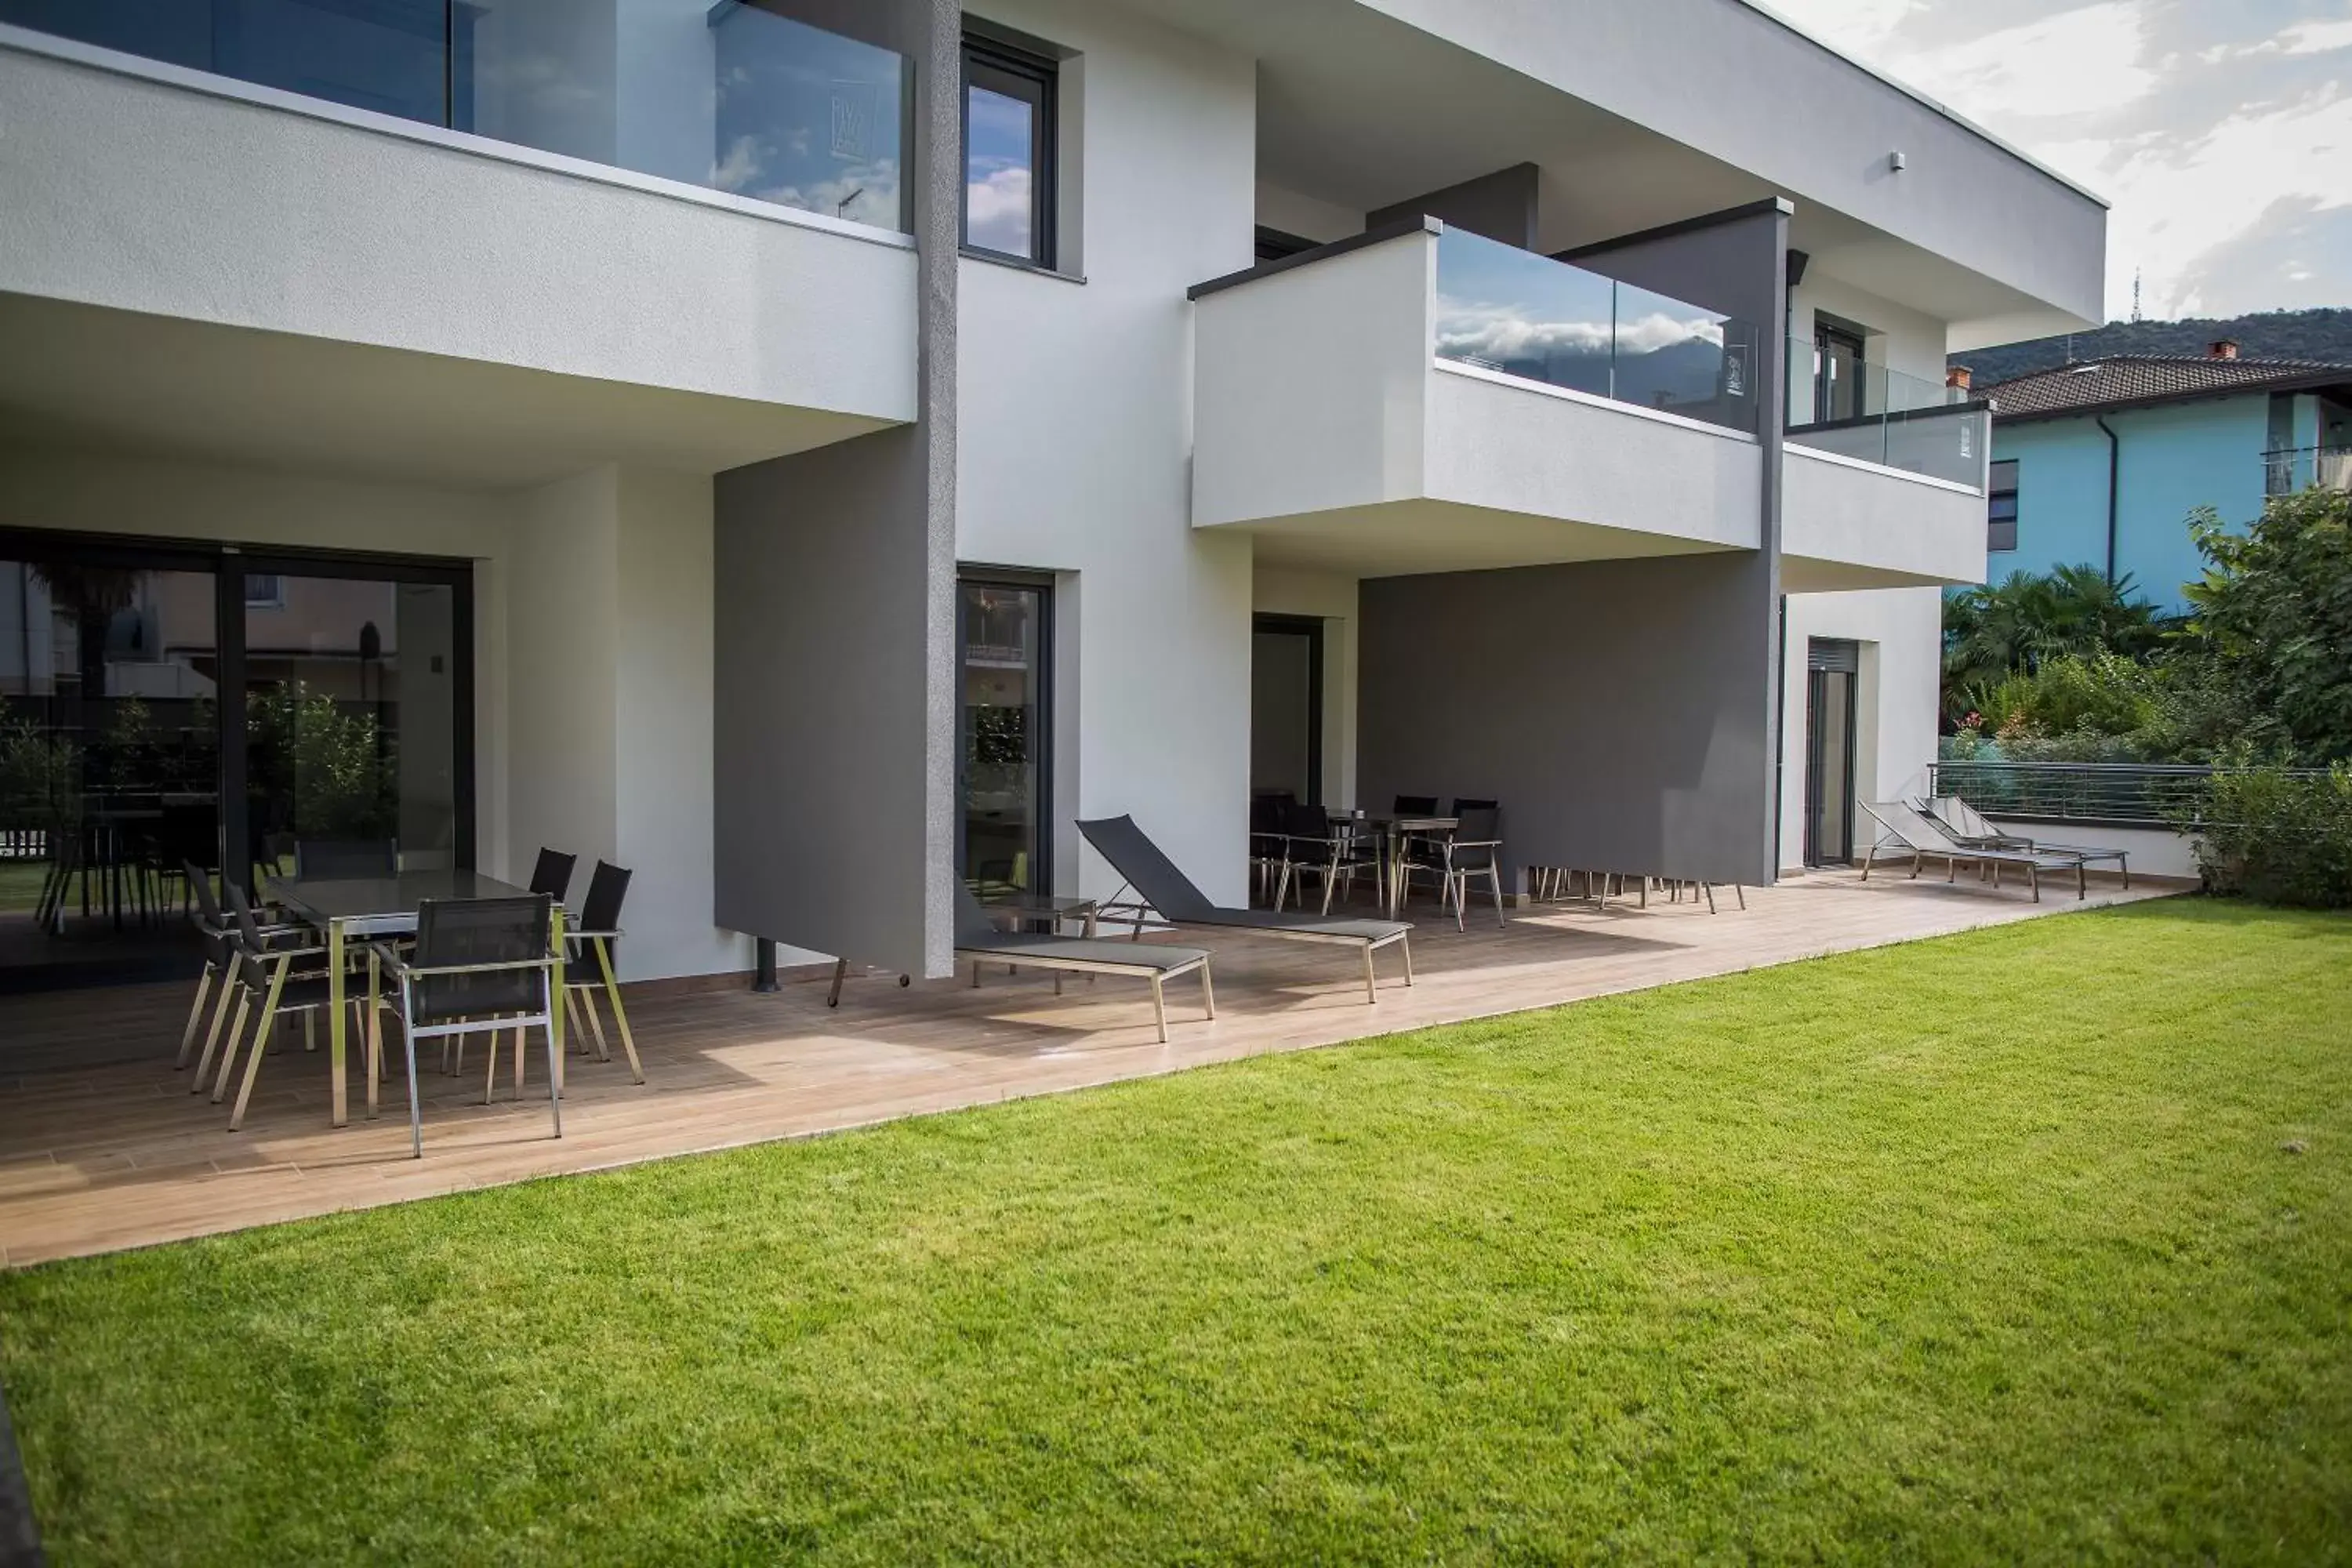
{"points": [[830, 447], [2102, 462]]}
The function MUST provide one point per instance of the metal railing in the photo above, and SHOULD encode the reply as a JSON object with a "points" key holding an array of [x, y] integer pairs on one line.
{"points": [[2287, 469], [2109, 795], [2159, 796]]}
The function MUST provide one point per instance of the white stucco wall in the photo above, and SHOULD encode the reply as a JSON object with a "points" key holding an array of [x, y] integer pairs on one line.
{"points": [[1330, 599], [1075, 426], [1309, 217], [1312, 386], [144, 193], [663, 766], [1901, 633], [1511, 445], [1838, 513]]}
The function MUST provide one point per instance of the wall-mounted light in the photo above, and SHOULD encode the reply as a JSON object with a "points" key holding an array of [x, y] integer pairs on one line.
{"points": [[1897, 162]]}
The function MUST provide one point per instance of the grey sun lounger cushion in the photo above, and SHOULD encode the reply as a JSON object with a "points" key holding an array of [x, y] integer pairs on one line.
{"points": [[977, 939], [1166, 889]]}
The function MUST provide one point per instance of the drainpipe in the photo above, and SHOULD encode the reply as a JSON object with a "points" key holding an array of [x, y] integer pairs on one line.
{"points": [[2114, 472]]}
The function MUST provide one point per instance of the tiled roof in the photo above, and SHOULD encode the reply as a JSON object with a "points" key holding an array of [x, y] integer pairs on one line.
{"points": [[2098, 384]]}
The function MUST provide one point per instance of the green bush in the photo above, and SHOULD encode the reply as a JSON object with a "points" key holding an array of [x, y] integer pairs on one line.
{"points": [[2278, 836]]}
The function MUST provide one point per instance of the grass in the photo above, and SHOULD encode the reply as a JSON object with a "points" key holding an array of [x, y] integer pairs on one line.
{"points": [[2030, 1244]]}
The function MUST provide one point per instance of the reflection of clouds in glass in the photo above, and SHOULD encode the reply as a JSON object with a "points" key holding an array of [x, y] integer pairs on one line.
{"points": [[807, 119], [863, 192], [996, 126], [999, 154], [1467, 329], [996, 211]]}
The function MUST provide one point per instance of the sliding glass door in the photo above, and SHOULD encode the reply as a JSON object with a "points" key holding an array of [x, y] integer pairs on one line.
{"points": [[1003, 830], [165, 706]]}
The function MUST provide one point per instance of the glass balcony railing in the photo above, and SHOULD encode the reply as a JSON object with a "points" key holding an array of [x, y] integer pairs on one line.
{"points": [[1522, 314], [730, 97], [2291, 468], [1885, 416]]}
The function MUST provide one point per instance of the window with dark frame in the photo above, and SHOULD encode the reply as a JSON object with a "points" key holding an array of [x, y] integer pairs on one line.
{"points": [[2000, 507], [1008, 150]]}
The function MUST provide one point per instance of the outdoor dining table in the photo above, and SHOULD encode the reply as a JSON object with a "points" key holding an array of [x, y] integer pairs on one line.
{"points": [[1392, 832], [360, 907]]}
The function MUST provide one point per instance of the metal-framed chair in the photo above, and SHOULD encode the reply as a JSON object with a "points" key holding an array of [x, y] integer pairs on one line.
{"points": [[1475, 849], [1332, 848], [239, 931], [265, 972], [345, 860], [220, 961], [589, 967], [551, 874], [479, 966]]}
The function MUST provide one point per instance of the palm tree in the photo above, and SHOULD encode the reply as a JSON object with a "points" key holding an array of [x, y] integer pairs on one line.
{"points": [[2018, 625]]}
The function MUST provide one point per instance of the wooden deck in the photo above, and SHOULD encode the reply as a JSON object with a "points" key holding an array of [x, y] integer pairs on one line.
{"points": [[103, 1146]]}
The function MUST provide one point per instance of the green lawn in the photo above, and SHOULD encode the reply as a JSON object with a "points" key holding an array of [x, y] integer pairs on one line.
{"points": [[2034, 1243]]}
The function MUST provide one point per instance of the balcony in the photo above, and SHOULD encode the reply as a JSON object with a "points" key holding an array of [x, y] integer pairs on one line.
{"points": [[2289, 470], [1888, 492], [1422, 399], [672, 232]]}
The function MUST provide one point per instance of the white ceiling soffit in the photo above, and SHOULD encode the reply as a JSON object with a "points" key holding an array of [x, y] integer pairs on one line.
{"points": [[1366, 102], [87, 376]]}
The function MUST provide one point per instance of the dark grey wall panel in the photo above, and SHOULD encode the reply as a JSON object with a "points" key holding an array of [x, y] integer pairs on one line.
{"points": [[1500, 205], [1738, 263], [835, 616], [1616, 708]]}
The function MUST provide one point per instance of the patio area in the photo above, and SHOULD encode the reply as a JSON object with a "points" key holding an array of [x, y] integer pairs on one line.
{"points": [[103, 1146]]}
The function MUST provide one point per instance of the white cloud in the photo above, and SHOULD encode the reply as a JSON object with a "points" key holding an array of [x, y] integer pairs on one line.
{"points": [[2175, 200], [2200, 119], [2084, 61], [2316, 37], [1502, 333], [996, 211]]}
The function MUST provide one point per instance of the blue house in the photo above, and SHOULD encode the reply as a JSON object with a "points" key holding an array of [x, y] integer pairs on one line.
{"points": [[2102, 462]]}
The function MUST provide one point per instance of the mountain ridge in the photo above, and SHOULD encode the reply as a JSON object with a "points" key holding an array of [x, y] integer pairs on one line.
{"points": [[2322, 336]]}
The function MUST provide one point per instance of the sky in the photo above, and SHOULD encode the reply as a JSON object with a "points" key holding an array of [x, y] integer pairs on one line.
{"points": [[2220, 130]]}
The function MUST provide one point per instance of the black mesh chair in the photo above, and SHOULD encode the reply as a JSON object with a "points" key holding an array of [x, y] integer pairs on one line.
{"points": [[1415, 805], [345, 860], [589, 969], [1314, 841], [1268, 813], [220, 963], [1474, 849], [479, 966], [267, 973], [552, 874]]}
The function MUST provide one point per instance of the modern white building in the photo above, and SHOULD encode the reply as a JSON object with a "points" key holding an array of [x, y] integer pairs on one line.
{"points": [[813, 450]]}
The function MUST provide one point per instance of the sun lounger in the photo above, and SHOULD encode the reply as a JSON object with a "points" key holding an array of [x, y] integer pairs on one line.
{"points": [[1969, 826], [1925, 840], [1164, 891], [978, 939]]}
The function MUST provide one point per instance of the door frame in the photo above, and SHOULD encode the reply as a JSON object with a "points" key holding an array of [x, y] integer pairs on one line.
{"points": [[1043, 829], [229, 561], [1825, 334], [1311, 627], [1826, 657]]}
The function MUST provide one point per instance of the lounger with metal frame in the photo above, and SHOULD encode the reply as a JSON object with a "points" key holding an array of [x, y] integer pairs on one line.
{"points": [[979, 940], [1161, 890], [1969, 826], [1924, 840]]}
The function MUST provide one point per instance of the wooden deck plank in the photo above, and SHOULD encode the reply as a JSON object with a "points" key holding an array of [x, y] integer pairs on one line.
{"points": [[97, 1154]]}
